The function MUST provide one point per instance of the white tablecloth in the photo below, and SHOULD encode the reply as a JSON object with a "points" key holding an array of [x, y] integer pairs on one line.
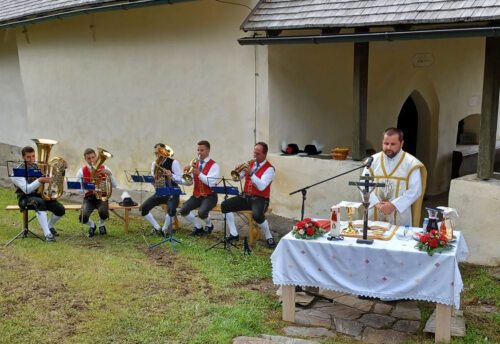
{"points": [[387, 269]]}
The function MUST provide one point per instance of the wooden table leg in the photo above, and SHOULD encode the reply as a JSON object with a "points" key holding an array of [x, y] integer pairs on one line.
{"points": [[125, 219], [250, 229], [443, 323], [288, 296]]}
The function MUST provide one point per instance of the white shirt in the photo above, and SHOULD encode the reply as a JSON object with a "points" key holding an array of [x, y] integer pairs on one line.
{"points": [[266, 178], [176, 171], [79, 175], [213, 176], [22, 184]]}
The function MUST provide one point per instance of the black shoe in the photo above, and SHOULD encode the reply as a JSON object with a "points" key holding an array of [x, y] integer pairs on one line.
{"points": [[198, 232], [102, 230], [54, 232], [50, 238], [271, 243], [91, 231], [233, 238], [209, 229], [155, 231]]}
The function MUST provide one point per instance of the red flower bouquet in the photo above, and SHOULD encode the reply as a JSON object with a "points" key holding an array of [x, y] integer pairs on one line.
{"points": [[307, 229], [432, 242]]}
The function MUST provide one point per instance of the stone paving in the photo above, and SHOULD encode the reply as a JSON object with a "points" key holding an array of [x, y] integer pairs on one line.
{"points": [[371, 321]]}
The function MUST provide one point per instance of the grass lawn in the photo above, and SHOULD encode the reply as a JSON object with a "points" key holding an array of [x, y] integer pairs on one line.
{"points": [[113, 289]]}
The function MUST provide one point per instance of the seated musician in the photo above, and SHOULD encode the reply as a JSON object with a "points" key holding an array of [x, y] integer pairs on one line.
{"points": [[94, 199], [29, 196], [258, 176], [205, 174], [167, 172]]}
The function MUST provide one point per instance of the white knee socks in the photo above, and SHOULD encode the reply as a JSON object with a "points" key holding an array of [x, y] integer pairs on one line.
{"points": [[265, 228], [150, 218], [53, 220], [166, 224], [230, 223], [194, 220], [42, 220]]}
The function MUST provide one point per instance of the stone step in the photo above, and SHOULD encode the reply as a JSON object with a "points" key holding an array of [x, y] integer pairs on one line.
{"points": [[457, 324]]}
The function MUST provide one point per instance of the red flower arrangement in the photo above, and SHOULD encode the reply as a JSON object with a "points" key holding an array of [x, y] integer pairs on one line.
{"points": [[307, 229], [432, 242]]}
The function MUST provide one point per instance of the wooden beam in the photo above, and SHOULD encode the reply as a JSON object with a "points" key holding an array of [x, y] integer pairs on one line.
{"points": [[360, 95], [489, 109]]}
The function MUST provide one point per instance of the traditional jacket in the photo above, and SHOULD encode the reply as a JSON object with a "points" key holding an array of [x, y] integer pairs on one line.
{"points": [[201, 189], [250, 188]]}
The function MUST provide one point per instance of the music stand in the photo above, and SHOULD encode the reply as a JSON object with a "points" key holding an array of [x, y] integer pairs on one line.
{"points": [[140, 177], [168, 191], [225, 190], [24, 172]]}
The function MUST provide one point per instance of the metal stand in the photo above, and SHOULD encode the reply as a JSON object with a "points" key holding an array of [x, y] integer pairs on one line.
{"points": [[225, 190], [168, 191], [24, 233]]}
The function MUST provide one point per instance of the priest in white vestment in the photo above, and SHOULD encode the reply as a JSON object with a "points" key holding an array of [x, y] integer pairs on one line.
{"points": [[404, 182]]}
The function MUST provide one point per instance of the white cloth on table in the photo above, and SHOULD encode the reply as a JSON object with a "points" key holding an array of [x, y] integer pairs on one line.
{"points": [[386, 269]]}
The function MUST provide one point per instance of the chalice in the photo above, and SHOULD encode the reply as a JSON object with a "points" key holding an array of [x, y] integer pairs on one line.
{"points": [[350, 228]]}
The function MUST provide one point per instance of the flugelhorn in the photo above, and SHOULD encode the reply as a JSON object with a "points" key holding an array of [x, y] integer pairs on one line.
{"points": [[235, 174], [188, 170]]}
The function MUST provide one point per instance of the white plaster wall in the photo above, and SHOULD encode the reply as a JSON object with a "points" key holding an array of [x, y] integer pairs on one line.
{"points": [[295, 172], [311, 95], [477, 202], [126, 80], [12, 102]]}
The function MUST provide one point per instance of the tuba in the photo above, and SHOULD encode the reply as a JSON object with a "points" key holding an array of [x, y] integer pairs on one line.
{"points": [[159, 170], [189, 169], [235, 174], [103, 185], [54, 168]]}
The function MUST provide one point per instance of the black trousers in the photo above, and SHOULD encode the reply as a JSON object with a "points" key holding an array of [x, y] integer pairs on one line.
{"points": [[204, 205], [153, 201], [90, 203], [258, 206], [36, 202]]}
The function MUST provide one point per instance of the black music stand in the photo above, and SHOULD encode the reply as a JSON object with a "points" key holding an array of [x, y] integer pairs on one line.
{"points": [[140, 177], [25, 172], [225, 190], [168, 191]]}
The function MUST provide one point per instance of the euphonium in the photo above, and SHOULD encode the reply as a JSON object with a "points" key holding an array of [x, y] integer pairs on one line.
{"points": [[103, 185], [159, 170], [55, 168], [188, 170], [235, 174]]}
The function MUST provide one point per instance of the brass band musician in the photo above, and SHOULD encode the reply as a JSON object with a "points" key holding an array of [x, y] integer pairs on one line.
{"points": [[258, 175], [205, 173], [166, 172], [94, 199], [29, 197]]}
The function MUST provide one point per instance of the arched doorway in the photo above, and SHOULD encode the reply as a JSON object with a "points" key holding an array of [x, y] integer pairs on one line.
{"points": [[408, 123]]}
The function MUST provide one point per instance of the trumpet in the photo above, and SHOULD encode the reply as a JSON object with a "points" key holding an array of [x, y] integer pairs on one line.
{"points": [[188, 170], [235, 174]]}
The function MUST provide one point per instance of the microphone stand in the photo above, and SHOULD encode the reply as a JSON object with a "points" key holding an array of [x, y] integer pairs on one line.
{"points": [[304, 189]]}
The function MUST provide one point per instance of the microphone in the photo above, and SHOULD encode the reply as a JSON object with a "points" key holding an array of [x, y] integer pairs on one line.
{"points": [[368, 162]]}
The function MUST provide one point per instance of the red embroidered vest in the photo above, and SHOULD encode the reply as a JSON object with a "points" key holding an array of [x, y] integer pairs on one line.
{"points": [[87, 178], [251, 189], [200, 188]]}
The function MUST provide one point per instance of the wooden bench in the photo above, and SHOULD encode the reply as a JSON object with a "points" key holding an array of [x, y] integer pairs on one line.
{"points": [[112, 207], [253, 230]]}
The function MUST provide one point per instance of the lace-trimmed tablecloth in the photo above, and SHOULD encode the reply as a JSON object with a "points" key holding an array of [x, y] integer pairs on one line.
{"points": [[392, 269]]}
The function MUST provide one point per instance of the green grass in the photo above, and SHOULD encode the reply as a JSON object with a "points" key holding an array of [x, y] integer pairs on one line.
{"points": [[113, 289]]}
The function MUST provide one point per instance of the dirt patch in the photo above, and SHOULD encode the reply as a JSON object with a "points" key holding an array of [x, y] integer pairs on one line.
{"points": [[263, 286]]}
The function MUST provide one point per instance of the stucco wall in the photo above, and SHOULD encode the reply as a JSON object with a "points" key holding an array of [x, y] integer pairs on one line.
{"points": [[126, 80], [478, 202], [311, 94], [12, 100]]}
